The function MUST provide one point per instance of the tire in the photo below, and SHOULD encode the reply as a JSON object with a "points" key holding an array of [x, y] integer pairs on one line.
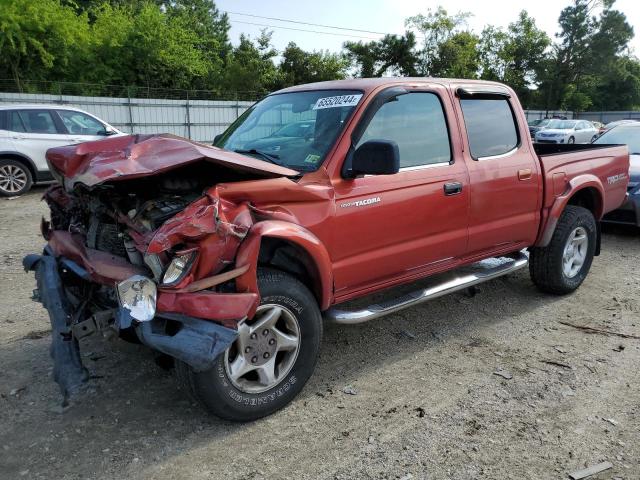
{"points": [[241, 399], [571, 140], [548, 266], [15, 178], [594, 138]]}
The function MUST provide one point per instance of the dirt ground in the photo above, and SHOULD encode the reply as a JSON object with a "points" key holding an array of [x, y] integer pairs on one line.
{"points": [[427, 403]]}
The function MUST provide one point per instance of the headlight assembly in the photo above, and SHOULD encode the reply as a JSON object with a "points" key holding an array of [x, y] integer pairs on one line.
{"points": [[178, 268]]}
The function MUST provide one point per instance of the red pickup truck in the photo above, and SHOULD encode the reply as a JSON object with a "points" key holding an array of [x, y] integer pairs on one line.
{"points": [[229, 258]]}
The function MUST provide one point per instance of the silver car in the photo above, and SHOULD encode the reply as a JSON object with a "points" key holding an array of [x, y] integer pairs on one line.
{"points": [[567, 131]]}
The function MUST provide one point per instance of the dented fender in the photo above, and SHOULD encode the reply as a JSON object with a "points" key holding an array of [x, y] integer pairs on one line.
{"points": [[250, 249]]}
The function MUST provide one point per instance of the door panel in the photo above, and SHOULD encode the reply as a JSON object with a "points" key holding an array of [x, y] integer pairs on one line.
{"points": [[393, 227], [505, 178], [39, 135]]}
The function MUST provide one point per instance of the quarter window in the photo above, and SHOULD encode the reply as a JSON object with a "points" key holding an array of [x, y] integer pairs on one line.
{"points": [[491, 127], [416, 122]]}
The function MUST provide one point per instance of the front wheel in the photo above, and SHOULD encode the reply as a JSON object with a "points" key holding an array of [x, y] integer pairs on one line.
{"points": [[15, 178], [272, 358], [562, 266], [571, 140]]}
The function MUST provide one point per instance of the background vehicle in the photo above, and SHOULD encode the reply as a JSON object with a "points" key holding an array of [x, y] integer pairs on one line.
{"points": [[536, 125], [627, 133], [610, 125], [567, 131], [28, 131], [228, 262]]}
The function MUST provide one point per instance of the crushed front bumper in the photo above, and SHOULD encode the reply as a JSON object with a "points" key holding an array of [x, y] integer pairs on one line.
{"points": [[195, 341]]}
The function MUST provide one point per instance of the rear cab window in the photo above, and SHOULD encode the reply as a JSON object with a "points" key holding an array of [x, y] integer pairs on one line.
{"points": [[491, 127]]}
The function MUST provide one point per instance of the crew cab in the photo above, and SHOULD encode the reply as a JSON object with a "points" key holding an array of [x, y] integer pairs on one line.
{"points": [[230, 258]]}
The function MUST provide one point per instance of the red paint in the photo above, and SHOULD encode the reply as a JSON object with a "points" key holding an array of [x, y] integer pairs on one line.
{"points": [[226, 308], [414, 231], [133, 156]]}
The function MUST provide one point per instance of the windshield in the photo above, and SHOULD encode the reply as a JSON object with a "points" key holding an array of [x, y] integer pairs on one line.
{"points": [[540, 122], [562, 124], [295, 130], [622, 135]]}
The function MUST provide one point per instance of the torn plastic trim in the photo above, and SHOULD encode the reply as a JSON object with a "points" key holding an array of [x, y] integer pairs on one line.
{"points": [[197, 342], [68, 370]]}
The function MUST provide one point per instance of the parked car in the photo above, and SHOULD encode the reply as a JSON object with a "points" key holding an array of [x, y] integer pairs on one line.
{"points": [[599, 126], [227, 262], [610, 125], [536, 125], [28, 131], [567, 131], [627, 134]]}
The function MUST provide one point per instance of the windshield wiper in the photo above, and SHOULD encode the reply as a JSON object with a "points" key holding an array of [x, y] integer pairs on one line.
{"points": [[266, 156]]}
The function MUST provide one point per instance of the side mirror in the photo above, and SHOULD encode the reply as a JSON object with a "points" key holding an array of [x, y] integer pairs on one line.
{"points": [[376, 157], [216, 138], [109, 130]]}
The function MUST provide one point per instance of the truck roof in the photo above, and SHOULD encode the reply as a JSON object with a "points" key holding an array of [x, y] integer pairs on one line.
{"points": [[368, 84]]}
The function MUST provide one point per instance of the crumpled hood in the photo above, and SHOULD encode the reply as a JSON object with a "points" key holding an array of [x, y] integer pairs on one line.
{"points": [[133, 156]]}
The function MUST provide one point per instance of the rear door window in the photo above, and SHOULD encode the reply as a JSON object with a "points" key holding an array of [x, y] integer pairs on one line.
{"points": [[491, 126], [37, 121]]}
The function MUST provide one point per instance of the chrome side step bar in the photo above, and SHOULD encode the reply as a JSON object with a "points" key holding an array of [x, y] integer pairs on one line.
{"points": [[459, 279]]}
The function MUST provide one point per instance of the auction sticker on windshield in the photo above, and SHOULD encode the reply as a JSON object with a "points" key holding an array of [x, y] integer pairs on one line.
{"points": [[338, 101]]}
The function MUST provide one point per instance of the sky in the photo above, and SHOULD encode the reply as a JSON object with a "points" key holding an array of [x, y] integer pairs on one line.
{"points": [[387, 16]]}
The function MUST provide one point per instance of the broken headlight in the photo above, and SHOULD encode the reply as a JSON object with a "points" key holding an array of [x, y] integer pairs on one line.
{"points": [[137, 294], [178, 268]]}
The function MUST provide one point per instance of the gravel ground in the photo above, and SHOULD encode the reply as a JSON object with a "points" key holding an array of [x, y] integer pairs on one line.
{"points": [[423, 398]]}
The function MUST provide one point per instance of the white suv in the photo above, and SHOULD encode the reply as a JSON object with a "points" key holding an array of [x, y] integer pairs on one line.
{"points": [[28, 131]]}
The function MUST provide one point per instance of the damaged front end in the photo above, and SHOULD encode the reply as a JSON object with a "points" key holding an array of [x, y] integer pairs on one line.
{"points": [[141, 244]]}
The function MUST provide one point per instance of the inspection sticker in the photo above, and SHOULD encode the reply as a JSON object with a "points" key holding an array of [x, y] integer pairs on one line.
{"points": [[339, 101]]}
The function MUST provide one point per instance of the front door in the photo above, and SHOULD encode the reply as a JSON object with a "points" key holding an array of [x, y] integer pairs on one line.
{"points": [[390, 228]]}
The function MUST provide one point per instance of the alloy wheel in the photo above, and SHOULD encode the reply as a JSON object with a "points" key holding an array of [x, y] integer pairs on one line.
{"points": [[575, 252], [13, 179], [265, 350]]}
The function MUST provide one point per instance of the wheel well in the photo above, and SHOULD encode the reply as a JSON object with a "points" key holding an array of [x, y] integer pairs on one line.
{"points": [[18, 158], [293, 259], [588, 198]]}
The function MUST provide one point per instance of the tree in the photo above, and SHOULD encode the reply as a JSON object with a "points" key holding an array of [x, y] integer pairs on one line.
{"points": [[41, 40], [250, 67], [438, 28], [392, 55], [298, 66], [514, 56], [457, 57]]}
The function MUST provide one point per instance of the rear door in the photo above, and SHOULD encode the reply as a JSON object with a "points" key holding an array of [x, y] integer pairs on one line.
{"points": [[393, 227], [34, 131], [504, 173]]}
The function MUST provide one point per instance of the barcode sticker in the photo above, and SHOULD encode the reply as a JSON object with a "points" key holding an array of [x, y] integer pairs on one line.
{"points": [[338, 101]]}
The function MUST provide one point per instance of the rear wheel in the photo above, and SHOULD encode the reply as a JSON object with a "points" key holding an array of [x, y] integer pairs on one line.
{"points": [[571, 140], [272, 358], [15, 178], [562, 266], [593, 139]]}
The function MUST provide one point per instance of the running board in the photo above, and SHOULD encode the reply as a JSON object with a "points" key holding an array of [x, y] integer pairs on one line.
{"points": [[459, 279]]}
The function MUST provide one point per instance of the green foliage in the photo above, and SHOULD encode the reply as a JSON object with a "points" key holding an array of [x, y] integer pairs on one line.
{"points": [[393, 55], [184, 44], [298, 66]]}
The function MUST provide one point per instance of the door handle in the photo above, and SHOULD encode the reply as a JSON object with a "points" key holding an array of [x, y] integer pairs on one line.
{"points": [[524, 174], [452, 188]]}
